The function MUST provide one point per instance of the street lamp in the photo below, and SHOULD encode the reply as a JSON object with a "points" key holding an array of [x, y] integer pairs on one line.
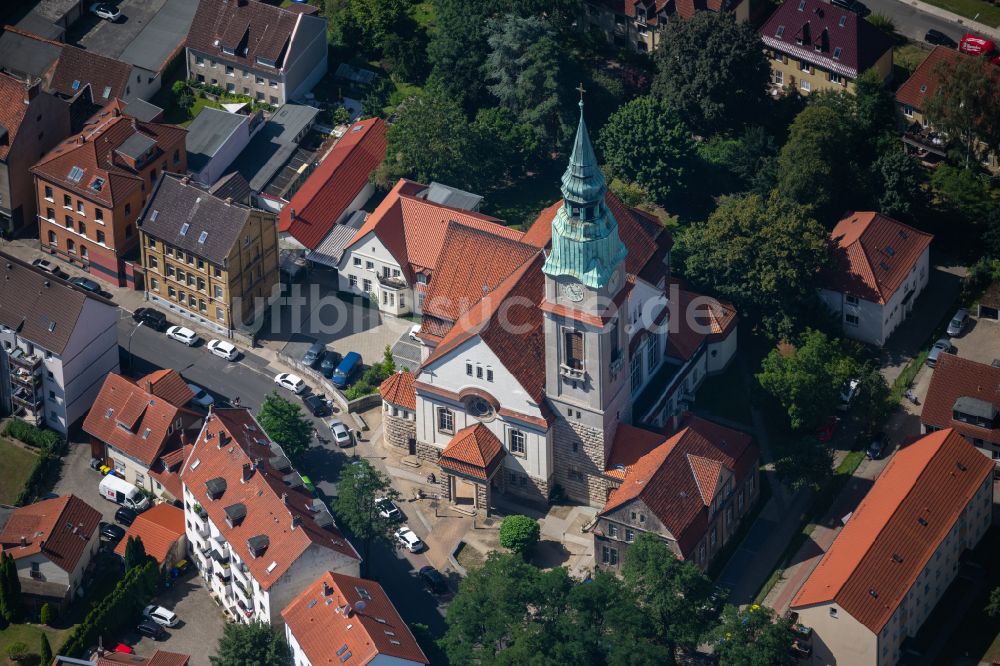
{"points": [[137, 327]]}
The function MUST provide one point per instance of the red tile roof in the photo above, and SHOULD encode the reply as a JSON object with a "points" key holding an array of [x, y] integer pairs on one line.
{"points": [[123, 412], [159, 658], [327, 623], [955, 377], [898, 526], [230, 439], [159, 528], [474, 451], [674, 476], [861, 44], [335, 183], [59, 529], [710, 319], [251, 29], [167, 473], [12, 110], [923, 83], [872, 255], [398, 390]]}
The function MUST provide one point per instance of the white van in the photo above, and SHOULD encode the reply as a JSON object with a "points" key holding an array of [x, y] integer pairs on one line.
{"points": [[122, 492]]}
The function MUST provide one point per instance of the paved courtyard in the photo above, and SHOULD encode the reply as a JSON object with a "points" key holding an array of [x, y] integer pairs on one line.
{"points": [[980, 342], [200, 627]]}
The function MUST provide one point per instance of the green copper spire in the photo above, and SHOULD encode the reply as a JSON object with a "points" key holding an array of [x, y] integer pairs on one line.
{"points": [[585, 242]]}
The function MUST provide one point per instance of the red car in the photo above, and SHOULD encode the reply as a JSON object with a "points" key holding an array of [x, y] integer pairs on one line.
{"points": [[828, 429]]}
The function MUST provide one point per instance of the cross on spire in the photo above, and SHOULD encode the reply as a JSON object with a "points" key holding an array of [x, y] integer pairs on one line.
{"points": [[581, 90]]}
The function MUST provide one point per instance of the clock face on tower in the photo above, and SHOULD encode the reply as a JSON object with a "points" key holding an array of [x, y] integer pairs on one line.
{"points": [[573, 291]]}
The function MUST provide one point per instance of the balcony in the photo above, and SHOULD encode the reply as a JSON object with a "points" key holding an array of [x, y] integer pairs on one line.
{"points": [[203, 531], [19, 357], [21, 377], [29, 400], [224, 577], [926, 141], [391, 282], [571, 372], [242, 590]]}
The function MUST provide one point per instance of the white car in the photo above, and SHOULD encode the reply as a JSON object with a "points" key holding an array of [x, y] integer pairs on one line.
{"points": [[414, 333], [160, 615], [847, 393], [287, 380], [388, 509], [181, 334], [409, 540], [106, 12], [341, 435], [223, 349], [48, 267], [201, 396]]}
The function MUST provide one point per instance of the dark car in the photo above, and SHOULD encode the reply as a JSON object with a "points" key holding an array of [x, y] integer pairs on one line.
{"points": [[125, 516], [939, 38], [852, 5], [86, 284], [877, 448], [152, 630], [314, 354], [317, 405], [155, 319], [330, 363], [111, 533], [433, 579]]}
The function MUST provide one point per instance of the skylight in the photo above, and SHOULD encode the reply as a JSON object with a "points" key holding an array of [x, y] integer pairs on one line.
{"points": [[97, 185], [155, 214], [836, 53], [75, 174], [843, 21], [271, 567], [184, 229], [195, 464], [884, 266], [76, 84], [107, 92], [780, 31], [802, 5], [890, 251], [202, 237], [146, 433]]}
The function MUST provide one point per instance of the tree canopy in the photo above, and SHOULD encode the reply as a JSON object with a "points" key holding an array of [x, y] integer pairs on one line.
{"points": [[135, 553], [359, 486], [753, 637], [284, 422], [519, 533], [966, 105], [255, 644]]}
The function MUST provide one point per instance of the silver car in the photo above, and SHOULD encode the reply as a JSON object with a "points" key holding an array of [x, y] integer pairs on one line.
{"points": [[941, 346], [958, 323]]}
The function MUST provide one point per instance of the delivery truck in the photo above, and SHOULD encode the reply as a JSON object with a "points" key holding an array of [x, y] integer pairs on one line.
{"points": [[122, 492]]}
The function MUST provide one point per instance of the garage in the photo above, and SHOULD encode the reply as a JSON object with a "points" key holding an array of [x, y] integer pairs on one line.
{"points": [[989, 304]]}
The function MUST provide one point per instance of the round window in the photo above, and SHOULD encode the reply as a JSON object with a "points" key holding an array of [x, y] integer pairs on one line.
{"points": [[478, 407]]}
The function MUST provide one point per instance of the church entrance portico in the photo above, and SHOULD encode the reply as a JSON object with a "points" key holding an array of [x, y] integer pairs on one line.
{"points": [[469, 463]]}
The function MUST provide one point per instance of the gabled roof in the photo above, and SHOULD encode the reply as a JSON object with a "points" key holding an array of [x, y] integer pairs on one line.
{"points": [[711, 320], [833, 38], [12, 110], [398, 390], [474, 451], [332, 627], [280, 515], [923, 83], [335, 183], [159, 658], [159, 528], [872, 255], [898, 526], [677, 477], [25, 54], [208, 133], [60, 529], [251, 29], [954, 378]]}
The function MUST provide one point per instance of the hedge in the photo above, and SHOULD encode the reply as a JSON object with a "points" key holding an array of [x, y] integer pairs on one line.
{"points": [[51, 448], [40, 438], [121, 606]]}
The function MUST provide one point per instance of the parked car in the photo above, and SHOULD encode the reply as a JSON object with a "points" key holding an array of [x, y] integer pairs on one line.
{"points": [[433, 579], [152, 630], [223, 349], [958, 323], [87, 285], [330, 363], [414, 332], [941, 346], [104, 11], [858, 8], [350, 364], [125, 516], [341, 435], [828, 429], [876, 449], [160, 615], [154, 319], [183, 335], [847, 393], [291, 382], [939, 38], [314, 354], [201, 396], [388, 509], [409, 540], [48, 267], [111, 533], [317, 405]]}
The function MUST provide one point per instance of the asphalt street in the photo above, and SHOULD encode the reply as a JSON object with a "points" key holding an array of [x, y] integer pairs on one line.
{"points": [[912, 22]]}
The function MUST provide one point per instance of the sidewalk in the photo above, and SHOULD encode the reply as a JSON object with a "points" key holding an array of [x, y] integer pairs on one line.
{"points": [[973, 26]]}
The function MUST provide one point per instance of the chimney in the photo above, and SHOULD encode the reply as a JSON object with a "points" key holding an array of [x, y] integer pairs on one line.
{"points": [[296, 521], [293, 213], [284, 498], [229, 201], [148, 386], [327, 590], [24, 541], [349, 610], [31, 90], [247, 472]]}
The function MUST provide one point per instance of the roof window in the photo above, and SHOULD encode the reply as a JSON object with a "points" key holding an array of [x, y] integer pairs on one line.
{"points": [[889, 250], [76, 84], [75, 174], [202, 237], [107, 92], [184, 229], [884, 266], [780, 31], [836, 53], [903, 234], [843, 21], [923, 88], [97, 185], [802, 5], [155, 214], [146, 433]]}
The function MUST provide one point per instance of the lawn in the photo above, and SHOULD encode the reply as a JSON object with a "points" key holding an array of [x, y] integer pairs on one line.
{"points": [[977, 10], [906, 57], [17, 465], [725, 395], [30, 635]]}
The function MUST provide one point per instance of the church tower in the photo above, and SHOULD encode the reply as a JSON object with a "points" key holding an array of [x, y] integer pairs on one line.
{"points": [[586, 355]]}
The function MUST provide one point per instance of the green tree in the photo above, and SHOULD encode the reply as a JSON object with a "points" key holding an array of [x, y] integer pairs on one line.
{"points": [[712, 70], [807, 380], [813, 167], [10, 590], [45, 614], [762, 253], [803, 463], [519, 534], [993, 606], [284, 422], [17, 651], [966, 105], [753, 637], [679, 599], [513, 144], [45, 650], [897, 182], [965, 192], [754, 161], [871, 403], [358, 488], [255, 644], [645, 142], [135, 553], [377, 21], [875, 107]]}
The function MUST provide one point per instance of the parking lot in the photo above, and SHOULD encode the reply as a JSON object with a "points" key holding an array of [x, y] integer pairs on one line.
{"points": [[980, 342], [201, 622], [79, 479]]}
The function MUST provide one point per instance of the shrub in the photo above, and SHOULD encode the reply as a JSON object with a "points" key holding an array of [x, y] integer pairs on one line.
{"points": [[883, 22], [17, 651], [45, 615], [40, 438], [519, 533]]}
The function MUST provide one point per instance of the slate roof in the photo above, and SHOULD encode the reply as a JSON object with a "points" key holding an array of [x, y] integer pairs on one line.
{"points": [[872, 255], [335, 183], [175, 204], [285, 515], [252, 29], [860, 43], [327, 623], [398, 390], [898, 526], [953, 378], [473, 451], [159, 528], [274, 144], [208, 132], [676, 477], [59, 529]]}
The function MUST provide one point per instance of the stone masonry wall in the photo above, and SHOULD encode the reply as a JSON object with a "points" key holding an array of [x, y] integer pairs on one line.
{"points": [[399, 431], [428, 452], [580, 472]]}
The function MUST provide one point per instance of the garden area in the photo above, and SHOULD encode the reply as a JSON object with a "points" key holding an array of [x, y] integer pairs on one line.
{"points": [[17, 465], [186, 99], [983, 11]]}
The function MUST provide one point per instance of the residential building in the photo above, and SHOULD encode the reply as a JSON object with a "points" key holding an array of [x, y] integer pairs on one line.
{"points": [[965, 396], [273, 147], [638, 24], [919, 135], [52, 542], [161, 530], [691, 488], [91, 188], [254, 532], [133, 424], [344, 619], [31, 122], [272, 54], [213, 261], [57, 342], [107, 658], [898, 552], [878, 270], [813, 46], [215, 138], [338, 187]]}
